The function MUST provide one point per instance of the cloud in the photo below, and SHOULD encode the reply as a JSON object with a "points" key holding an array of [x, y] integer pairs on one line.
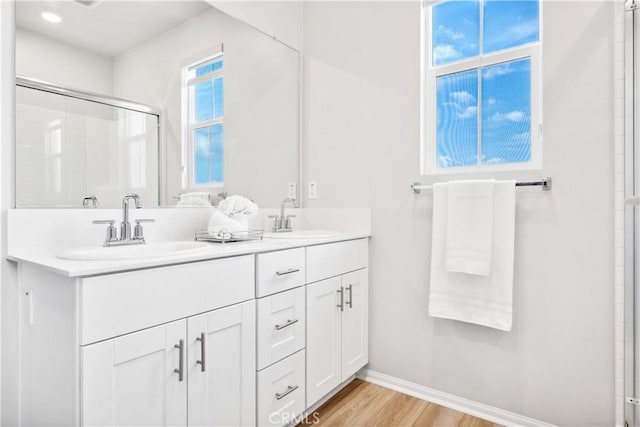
{"points": [[512, 116], [449, 33], [468, 113], [445, 52], [515, 33], [497, 70], [515, 116], [463, 97], [491, 101]]}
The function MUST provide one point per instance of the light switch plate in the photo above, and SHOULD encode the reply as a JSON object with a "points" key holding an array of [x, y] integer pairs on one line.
{"points": [[312, 193], [292, 192]]}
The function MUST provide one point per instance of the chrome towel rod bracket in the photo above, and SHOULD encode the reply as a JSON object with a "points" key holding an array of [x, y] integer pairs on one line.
{"points": [[546, 184]]}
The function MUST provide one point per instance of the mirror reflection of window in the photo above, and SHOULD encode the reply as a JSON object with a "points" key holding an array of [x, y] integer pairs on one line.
{"points": [[203, 122]]}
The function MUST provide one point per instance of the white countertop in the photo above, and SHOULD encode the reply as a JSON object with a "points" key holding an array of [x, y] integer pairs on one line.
{"points": [[75, 268]]}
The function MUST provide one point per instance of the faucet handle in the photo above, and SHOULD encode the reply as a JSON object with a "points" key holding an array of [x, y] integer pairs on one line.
{"points": [[104, 221], [112, 233], [287, 221], [138, 232]]}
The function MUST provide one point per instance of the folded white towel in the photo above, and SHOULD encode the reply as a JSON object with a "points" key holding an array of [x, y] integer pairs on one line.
{"points": [[193, 202], [196, 195], [237, 205], [469, 226], [219, 224], [484, 300]]}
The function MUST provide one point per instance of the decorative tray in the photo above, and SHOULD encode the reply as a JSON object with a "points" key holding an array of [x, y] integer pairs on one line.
{"points": [[228, 237]]}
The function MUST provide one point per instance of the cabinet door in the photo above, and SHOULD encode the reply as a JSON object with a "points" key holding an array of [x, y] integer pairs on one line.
{"points": [[323, 338], [355, 322], [222, 367], [132, 380]]}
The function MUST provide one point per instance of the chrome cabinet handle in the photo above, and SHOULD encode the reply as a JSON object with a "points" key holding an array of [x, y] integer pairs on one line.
{"points": [[350, 301], [180, 370], [203, 355], [287, 323], [341, 292], [289, 271], [290, 389]]}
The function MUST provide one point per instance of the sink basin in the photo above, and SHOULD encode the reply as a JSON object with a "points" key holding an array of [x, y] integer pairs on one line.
{"points": [[148, 250], [302, 234]]}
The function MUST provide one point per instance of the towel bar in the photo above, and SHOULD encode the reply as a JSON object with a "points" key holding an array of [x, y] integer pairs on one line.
{"points": [[545, 183]]}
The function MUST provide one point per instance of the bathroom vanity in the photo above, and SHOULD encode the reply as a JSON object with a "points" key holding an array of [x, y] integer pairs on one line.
{"points": [[252, 334]]}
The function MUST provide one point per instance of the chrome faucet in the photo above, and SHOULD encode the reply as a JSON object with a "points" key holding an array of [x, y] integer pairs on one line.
{"points": [[125, 238], [125, 225], [90, 199], [282, 223]]}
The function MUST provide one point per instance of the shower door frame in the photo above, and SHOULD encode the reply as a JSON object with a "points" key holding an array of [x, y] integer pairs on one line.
{"points": [[631, 226]]}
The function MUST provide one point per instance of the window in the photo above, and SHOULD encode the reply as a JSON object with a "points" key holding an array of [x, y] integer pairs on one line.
{"points": [[481, 86], [203, 122]]}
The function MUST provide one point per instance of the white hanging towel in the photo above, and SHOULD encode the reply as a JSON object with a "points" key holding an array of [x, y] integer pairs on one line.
{"points": [[484, 300], [469, 227]]}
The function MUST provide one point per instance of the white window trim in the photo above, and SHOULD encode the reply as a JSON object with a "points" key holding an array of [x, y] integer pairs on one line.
{"points": [[188, 169], [428, 128]]}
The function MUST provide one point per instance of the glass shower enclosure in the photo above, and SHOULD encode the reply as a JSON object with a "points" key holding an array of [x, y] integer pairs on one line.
{"points": [[72, 144]]}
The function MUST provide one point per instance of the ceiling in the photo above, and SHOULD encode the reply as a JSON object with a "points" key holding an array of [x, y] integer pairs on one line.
{"points": [[109, 27]]}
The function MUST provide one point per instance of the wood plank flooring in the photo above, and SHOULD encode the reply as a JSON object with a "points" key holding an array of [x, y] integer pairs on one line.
{"points": [[365, 404]]}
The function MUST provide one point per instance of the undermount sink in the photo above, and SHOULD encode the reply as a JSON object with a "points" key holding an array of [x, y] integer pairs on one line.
{"points": [[302, 234], [148, 250]]}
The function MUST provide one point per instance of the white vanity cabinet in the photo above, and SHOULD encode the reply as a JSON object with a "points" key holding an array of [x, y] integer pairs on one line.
{"points": [[246, 340], [337, 315], [132, 348], [197, 371]]}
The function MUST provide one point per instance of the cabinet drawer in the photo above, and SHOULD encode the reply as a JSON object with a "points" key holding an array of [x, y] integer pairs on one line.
{"points": [[334, 259], [281, 326], [281, 395], [279, 271], [116, 304]]}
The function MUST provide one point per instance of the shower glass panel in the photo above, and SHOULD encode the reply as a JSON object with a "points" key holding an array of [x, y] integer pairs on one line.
{"points": [[68, 148]]}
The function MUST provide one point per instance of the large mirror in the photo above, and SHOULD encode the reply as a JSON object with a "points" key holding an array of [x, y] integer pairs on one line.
{"points": [[168, 99]]}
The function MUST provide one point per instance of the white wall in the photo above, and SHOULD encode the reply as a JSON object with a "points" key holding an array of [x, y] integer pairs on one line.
{"points": [[8, 282], [361, 144], [45, 59], [280, 19], [261, 112]]}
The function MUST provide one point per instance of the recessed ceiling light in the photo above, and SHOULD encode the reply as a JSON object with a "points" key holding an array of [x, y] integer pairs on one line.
{"points": [[51, 17]]}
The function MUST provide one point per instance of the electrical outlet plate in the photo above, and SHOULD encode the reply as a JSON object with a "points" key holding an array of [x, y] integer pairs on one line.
{"points": [[292, 191], [313, 190]]}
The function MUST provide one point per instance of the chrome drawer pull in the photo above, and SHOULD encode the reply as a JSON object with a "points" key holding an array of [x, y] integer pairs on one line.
{"points": [[350, 301], [290, 389], [203, 355], [180, 370], [341, 292], [289, 271], [287, 323]]}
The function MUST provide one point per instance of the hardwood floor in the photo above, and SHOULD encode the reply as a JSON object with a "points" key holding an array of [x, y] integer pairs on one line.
{"points": [[364, 404]]}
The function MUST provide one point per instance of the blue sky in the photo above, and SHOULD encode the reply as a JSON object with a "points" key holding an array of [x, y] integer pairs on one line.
{"points": [[506, 87], [209, 141]]}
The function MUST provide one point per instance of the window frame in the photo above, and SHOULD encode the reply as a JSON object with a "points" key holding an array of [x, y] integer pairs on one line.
{"points": [[188, 112], [428, 100]]}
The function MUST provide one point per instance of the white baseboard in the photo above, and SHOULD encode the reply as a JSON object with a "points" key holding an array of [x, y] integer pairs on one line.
{"points": [[480, 410]]}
